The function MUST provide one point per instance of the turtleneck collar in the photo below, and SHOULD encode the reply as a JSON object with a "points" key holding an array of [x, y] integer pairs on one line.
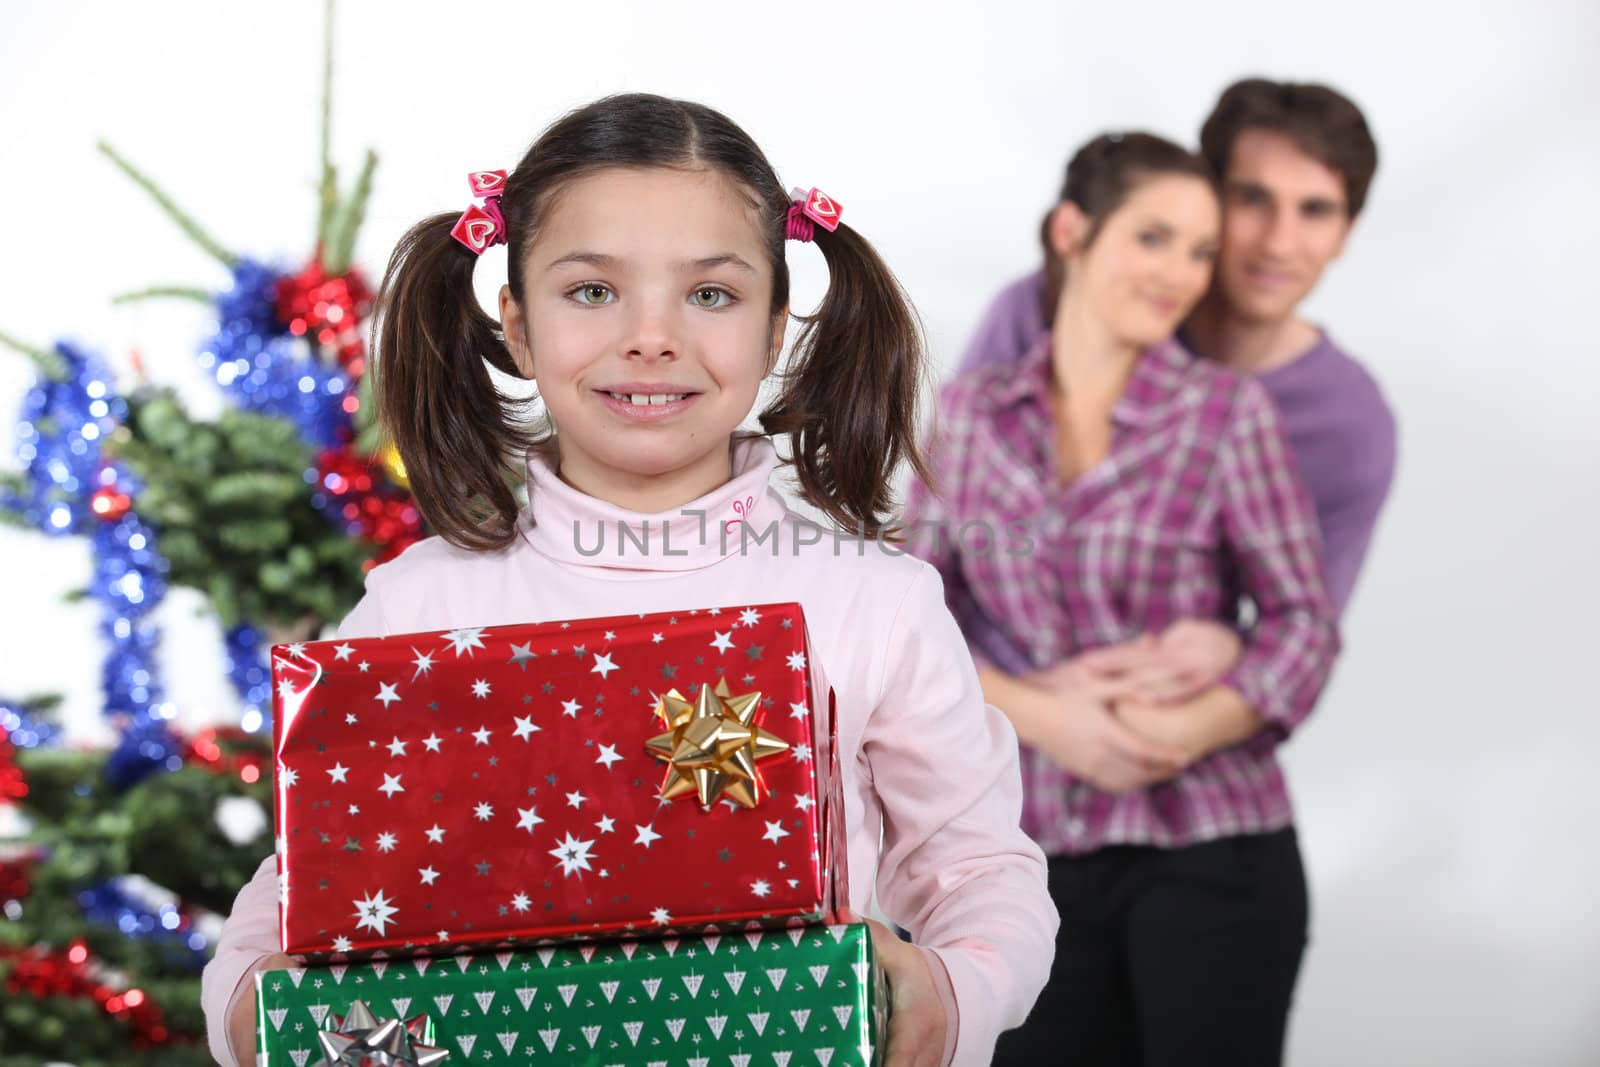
{"points": [[574, 528]]}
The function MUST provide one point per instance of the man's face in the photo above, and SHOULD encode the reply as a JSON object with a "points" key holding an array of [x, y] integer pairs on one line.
{"points": [[1284, 219]]}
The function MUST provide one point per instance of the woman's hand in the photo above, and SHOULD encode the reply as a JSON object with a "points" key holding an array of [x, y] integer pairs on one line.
{"points": [[1076, 726], [242, 1023], [916, 1013]]}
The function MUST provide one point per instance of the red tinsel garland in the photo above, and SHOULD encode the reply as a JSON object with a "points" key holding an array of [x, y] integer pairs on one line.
{"points": [[328, 311], [40, 973], [370, 505]]}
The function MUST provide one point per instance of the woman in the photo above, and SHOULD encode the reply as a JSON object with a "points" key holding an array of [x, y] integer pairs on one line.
{"points": [[1138, 486]]}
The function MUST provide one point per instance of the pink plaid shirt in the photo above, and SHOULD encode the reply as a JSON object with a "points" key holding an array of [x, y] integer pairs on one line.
{"points": [[1196, 507]]}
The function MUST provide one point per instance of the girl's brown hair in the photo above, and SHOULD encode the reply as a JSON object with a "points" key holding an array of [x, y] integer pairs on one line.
{"points": [[1100, 177], [849, 397]]}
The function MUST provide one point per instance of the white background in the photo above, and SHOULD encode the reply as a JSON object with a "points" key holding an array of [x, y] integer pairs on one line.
{"points": [[1447, 804]]}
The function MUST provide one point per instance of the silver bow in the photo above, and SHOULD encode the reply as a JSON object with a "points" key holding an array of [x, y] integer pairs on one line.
{"points": [[359, 1039]]}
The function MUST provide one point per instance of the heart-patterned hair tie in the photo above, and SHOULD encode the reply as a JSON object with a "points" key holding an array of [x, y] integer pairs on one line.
{"points": [[482, 226]]}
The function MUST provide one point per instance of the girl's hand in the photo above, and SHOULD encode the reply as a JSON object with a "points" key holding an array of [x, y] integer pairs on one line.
{"points": [[242, 1023], [916, 1014]]}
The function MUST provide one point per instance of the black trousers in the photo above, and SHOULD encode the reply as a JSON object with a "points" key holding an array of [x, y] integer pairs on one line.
{"points": [[1169, 957]]}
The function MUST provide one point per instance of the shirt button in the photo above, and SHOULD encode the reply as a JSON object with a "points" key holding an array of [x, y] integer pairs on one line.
{"points": [[1075, 827]]}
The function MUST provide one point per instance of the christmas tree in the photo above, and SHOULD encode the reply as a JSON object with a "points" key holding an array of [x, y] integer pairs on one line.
{"points": [[273, 512]]}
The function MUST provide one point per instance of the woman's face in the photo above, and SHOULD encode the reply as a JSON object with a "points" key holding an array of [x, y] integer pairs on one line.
{"points": [[1150, 262]]}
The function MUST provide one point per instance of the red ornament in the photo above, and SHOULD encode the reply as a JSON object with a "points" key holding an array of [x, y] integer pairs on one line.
{"points": [[13, 784], [227, 750], [109, 505], [328, 312], [16, 875]]}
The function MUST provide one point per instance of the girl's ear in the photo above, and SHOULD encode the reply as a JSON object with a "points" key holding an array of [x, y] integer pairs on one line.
{"points": [[515, 328], [780, 322], [1066, 229]]}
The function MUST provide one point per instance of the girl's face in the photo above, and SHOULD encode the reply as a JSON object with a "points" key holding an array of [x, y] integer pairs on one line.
{"points": [[647, 323], [1149, 264]]}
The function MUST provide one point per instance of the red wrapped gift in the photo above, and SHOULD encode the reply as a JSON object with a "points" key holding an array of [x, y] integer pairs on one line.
{"points": [[557, 781]]}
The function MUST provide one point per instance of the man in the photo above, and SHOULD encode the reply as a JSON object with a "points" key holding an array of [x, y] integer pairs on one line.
{"points": [[1295, 162]]}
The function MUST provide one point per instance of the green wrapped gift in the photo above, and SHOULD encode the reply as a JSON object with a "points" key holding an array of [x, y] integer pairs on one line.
{"points": [[808, 996]]}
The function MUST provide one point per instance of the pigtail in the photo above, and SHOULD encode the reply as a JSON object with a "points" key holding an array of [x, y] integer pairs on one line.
{"points": [[850, 394], [455, 432]]}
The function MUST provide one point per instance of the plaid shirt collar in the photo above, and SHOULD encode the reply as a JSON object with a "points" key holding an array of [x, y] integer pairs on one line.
{"points": [[1157, 381]]}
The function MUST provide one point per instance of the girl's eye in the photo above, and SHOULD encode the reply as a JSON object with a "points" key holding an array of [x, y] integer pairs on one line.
{"points": [[1151, 239], [592, 294], [711, 297]]}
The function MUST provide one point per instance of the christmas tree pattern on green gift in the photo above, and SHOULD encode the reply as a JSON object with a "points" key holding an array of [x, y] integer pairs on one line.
{"points": [[808, 996]]}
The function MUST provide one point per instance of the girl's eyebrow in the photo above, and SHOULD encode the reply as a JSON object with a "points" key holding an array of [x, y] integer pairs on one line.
{"points": [[606, 262], [592, 259], [726, 259]]}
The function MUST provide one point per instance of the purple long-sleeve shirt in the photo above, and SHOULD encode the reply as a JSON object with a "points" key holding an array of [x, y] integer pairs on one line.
{"points": [[1340, 429]]}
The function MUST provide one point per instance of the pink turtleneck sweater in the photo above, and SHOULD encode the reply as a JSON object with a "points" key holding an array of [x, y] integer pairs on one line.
{"points": [[932, 790]]}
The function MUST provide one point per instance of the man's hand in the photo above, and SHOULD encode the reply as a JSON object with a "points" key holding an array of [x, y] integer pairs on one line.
{"points": [[916, 1014], [1185, 660]]}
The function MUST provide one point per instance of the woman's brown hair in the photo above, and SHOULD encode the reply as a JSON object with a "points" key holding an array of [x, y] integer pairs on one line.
{"points": [[849, 396], [1100, 177]]}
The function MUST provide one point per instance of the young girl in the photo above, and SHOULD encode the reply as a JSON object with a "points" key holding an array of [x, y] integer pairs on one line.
{"points": [[1118, 484], [647, 298]]}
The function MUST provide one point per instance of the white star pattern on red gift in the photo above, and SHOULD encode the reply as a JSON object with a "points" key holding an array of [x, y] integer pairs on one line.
{"points": [[465, 821], [573, 854], [374, 913], [423, 663], [465, 640]]}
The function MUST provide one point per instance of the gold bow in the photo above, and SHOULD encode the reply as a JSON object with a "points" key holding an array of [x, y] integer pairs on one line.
{"points": [[711, 746]]}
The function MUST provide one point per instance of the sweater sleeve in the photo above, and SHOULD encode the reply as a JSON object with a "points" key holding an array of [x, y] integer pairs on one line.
{"points": [[956, 870], [1349, 515], [1271, 532], [250, 934], [1011, 326]]}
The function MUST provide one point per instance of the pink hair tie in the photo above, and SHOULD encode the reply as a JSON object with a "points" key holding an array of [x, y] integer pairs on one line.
{"points": [[809, 210], [482, 226], [798, 227]]}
